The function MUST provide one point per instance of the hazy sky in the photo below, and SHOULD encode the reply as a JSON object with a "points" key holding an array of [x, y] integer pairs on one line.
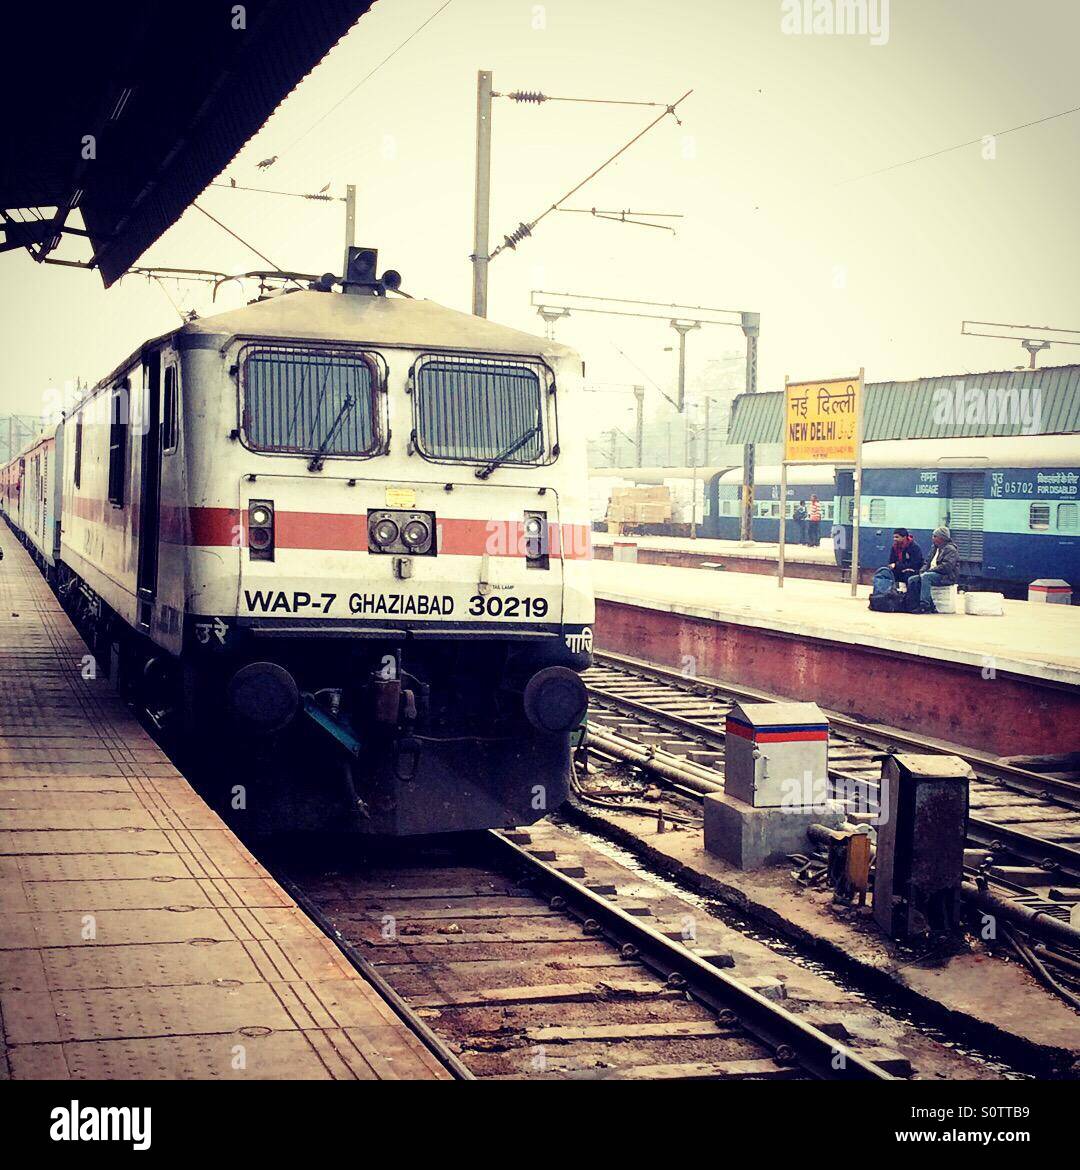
{"points": [[877, 272]]}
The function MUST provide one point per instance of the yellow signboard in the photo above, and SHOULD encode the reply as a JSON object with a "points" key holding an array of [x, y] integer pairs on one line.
{"points": [[821, 420], [401, 497]]}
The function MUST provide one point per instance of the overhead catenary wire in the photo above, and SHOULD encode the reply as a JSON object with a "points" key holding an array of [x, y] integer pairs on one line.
{"points": [[526, 229], [656, 385], [317, 196], [367, 77], [958, 146], [534, 97], [161, 285], [625, 211], [624, 217], [238, 238]]}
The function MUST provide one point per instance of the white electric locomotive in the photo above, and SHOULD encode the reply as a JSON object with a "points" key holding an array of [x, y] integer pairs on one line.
{"points": [[340, 541]]}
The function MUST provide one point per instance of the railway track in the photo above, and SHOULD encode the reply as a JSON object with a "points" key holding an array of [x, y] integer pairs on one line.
{"points": [[1034, 814], [1024, 826], [507, 965]]}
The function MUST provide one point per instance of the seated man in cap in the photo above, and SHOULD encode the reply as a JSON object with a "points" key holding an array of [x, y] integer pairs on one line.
{"points": [[944, 569]]}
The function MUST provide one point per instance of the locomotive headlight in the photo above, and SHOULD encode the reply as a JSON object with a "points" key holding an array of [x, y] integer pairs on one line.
{"points": [[401, 533], [535, 529], [416, 534], [260, 534]]}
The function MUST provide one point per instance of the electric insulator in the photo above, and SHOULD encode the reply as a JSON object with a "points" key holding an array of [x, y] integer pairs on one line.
{"points": [[517, 235], [526, 95]]}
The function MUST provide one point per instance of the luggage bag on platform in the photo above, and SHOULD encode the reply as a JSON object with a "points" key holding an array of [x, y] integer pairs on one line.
{"points": [[891, 601]]}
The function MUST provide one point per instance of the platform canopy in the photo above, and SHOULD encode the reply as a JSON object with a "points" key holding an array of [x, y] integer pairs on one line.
{"points": [[1045, 401], [127, 110]]}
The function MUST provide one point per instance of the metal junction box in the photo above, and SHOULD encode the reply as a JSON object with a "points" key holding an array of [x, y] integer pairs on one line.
{"points": [[920, 844], [777, 754]]}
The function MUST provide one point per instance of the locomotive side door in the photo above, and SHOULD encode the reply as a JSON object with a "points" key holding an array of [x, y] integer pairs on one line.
{"points": [[150, 494]]}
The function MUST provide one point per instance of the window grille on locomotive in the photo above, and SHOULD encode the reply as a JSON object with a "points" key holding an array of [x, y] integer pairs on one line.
{"points": [[313, 401], [478, 409]]}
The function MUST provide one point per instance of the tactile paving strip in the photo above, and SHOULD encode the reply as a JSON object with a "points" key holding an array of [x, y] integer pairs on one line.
{"points": [[140, 938]]}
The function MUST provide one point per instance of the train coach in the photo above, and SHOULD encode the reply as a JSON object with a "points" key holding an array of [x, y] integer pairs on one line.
{"points": [[30, 487], [1012, 505], [339, 541], [723, 495]]}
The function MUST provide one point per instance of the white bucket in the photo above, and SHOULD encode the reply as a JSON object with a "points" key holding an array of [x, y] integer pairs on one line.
{"points": [[984, 604], [944, 598]]}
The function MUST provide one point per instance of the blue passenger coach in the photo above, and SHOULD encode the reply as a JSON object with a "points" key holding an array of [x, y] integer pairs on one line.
{"points": [[723, 493], [1011, 504]]}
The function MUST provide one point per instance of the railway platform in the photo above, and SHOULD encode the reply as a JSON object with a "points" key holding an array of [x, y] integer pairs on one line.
{"points": [[1009, 685], [141, 939], [731, 556]]}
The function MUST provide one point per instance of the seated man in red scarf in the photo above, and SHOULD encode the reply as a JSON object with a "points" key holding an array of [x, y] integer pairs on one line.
{"points": [[905, 560]]}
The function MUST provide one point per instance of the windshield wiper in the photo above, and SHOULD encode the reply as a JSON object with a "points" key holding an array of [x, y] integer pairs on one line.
{"points": [[316, 463], [488, 468]]}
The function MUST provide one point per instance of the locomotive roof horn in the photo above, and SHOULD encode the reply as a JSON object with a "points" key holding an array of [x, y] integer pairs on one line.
{"points": [[360, 274]]}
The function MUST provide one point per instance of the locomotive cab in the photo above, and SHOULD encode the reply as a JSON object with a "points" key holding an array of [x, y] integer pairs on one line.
{"points": [[372, 590]]}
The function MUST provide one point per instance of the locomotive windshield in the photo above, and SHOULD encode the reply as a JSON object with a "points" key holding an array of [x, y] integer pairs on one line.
{"points": [[479, 410], [310, 401]]}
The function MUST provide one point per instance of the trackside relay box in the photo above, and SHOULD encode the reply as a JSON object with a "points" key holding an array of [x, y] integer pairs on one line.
{"points": [[777, 754]]}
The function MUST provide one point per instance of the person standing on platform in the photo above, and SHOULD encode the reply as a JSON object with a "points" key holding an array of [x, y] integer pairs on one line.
{"points": [[943, 570], [799, 516], [814, 514], [905, 561]]}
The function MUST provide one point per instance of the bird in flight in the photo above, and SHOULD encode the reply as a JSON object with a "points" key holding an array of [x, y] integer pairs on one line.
{"points": [[267, 162]]}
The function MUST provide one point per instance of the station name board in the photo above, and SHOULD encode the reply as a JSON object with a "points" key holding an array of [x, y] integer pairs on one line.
{"points": [[821, 421]]}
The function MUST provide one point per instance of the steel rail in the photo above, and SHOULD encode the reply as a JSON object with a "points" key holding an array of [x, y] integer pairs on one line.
{"points": [[368, 971], [1034, 850], [983, 833], [986, 768], [789, 1038], [1033, 783]]}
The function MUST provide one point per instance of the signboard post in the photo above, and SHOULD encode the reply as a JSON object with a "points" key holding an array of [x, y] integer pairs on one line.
{"points": [[856, 518], [823, 424], [783, 498]]}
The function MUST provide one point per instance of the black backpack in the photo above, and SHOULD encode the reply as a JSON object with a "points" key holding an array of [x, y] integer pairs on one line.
{"points": [[890, 602]]}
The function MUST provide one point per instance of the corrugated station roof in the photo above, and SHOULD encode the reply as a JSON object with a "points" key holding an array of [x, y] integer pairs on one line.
{"points": [[929, 408], [169, 93]]}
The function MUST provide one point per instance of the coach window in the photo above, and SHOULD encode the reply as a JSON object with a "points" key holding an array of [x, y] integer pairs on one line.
{"points": [[1067, 517], [1039, 516], [170, 412], [118, 435], [877, 510], [77, 470], [312, 401], [482, 410]]}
